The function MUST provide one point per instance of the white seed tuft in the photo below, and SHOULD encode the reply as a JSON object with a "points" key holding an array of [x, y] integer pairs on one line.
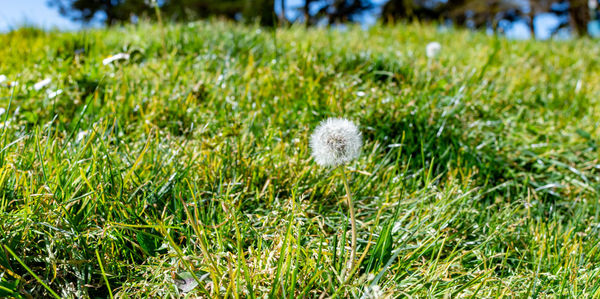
{"points": [[336, 141], [433, 49]]}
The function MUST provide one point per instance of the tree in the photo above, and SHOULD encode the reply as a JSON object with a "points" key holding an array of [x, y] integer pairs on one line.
{"points": [[281, 17], [248, 10], [483, 13], [488, 13], [117, 11], [193, 9], [342, 11], [308, 18], [114, 10], [412, 10], [534, 8], [334, 11], [260, 10], [579, 16]]}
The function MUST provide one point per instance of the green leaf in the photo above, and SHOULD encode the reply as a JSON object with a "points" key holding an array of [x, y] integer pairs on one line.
{"points": [[147, 242], [9, 289], [583, 134], [382, 251]]}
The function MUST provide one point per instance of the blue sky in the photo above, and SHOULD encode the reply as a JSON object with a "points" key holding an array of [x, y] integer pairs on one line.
{"points": [[15, 13]]}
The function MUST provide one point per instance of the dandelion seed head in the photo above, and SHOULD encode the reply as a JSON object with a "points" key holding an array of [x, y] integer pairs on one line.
{"points": [[335, 141], [433, 49]]}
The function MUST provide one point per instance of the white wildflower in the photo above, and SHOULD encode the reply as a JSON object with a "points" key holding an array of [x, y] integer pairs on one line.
{"points": [[119, 56], [336, 141], [2, 111], [42, 84], [433, 49], [53, 94], [2, 78]]}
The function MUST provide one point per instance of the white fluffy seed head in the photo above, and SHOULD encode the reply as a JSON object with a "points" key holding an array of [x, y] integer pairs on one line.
{"points": [[336, 141], [433, 49]]}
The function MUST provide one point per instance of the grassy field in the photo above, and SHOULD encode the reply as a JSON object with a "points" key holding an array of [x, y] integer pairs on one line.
{"points": [[186, 169]]}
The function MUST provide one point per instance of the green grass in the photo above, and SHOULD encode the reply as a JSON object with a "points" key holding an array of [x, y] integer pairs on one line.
{"points": [[190, 162]]}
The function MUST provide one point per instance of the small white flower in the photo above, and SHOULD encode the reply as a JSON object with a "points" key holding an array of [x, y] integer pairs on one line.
{"points": [[336, 141], [433, 49], [42, 84], [53, 94], [2, 110], [119, 56], [2, 78]]}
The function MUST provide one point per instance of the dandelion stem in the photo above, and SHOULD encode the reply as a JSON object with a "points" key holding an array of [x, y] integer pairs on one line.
{"points": [[352, 218]]}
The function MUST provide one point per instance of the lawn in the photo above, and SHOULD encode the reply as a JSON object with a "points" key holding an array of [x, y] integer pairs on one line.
{"points": [[186, 170]]}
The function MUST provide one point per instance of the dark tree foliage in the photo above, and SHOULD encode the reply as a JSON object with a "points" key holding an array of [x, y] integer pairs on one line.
{"points": [[333, 11], [488, 13], [247, 10], [575, 14], [309, 18], [341, 11], [483, 13], [412, 10], [579, 15], [194, 9], [472, 13], [261, 10], [115, 10]]}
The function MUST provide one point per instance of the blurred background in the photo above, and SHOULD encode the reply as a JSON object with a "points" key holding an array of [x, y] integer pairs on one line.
{"points": [[517, 19]]}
